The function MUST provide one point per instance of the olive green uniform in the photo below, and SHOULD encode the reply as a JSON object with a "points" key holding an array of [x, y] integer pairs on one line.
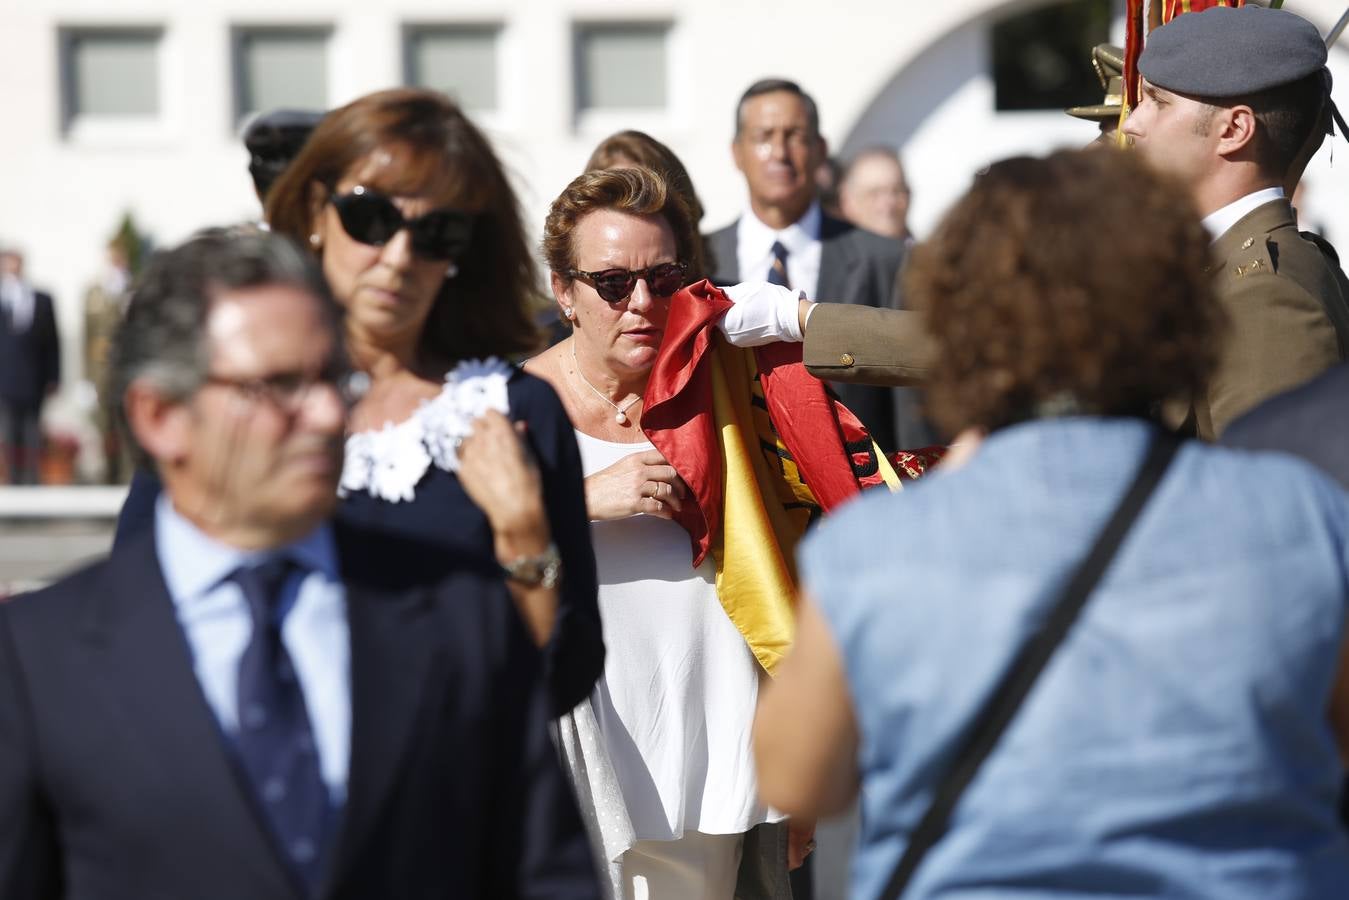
{"points": [[1287, 304]]}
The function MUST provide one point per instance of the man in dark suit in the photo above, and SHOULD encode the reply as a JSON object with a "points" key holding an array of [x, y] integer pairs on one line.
{"points": [[224, 708], [30, 367], [785, 238]]}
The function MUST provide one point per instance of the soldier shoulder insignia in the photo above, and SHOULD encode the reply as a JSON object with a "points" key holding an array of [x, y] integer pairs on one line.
{"points": [[1257, 257]]}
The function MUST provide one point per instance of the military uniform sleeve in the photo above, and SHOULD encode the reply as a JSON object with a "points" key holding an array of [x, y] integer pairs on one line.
{"points": [[1278, 337], [863, 345]]}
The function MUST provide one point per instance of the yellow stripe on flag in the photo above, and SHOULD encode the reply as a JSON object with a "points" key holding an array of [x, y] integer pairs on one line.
{"points": [[755, 551]]}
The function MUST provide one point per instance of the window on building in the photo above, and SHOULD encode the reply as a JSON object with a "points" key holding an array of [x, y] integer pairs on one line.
{"points": [[280, 67], [621, 66], [109, 72], [459, 60], [1042, 58]]}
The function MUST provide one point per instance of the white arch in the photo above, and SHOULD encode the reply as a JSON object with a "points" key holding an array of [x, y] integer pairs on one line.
{"points": [[936, 106]]}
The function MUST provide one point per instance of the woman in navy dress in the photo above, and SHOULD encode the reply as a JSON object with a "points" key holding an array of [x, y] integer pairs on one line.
{"points": [[471, 460]]}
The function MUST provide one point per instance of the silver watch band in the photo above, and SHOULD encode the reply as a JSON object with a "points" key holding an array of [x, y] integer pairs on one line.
{"points": [[544, 570]]}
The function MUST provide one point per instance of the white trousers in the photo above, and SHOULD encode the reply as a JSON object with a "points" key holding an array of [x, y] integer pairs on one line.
{"points": [[696, 867]]}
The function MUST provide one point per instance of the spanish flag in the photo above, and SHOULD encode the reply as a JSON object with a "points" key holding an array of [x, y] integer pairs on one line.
{"points": [[764, 448]]}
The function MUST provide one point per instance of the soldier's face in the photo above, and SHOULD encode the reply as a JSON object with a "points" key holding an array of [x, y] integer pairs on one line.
{"points": [[1174, 133]]}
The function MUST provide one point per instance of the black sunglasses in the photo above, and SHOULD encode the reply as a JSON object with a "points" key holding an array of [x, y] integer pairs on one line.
{"points": [[615, 285], [372, 218]]}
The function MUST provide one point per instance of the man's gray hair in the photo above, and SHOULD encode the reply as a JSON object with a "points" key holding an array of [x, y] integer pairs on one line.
{"points": [[162, 339], [773, 86]]}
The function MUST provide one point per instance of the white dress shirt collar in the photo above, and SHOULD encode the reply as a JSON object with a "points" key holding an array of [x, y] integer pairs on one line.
{"points": [[757, 239], [1218, 222], [754, 249], [16, 298], [193, 562], [216, 621]]}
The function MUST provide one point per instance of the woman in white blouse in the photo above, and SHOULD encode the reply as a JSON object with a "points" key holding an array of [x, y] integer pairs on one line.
{"points": [[660, 752]]}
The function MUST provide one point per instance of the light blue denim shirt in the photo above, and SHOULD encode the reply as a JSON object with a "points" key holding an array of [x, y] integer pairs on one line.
{"points": [[216, 621], [1177, 744]]}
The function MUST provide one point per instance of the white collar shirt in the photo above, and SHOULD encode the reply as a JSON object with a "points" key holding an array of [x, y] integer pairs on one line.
{"points": [[216, 621], [754, 249], [17, 302], [1218, 223]]}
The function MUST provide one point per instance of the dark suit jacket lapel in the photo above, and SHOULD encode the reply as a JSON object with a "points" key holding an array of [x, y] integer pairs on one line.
{"points": [[144, 667], [726, 254], [393, 637], [838, 260]]}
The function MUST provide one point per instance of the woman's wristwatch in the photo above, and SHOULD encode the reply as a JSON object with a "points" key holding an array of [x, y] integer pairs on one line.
{"points": [[544, 570]]}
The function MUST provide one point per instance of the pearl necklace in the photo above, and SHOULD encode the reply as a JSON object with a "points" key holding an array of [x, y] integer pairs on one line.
{"points": [[620, 412]]}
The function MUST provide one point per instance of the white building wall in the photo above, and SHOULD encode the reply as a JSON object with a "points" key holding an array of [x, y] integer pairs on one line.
{"points": [[909, 73]]}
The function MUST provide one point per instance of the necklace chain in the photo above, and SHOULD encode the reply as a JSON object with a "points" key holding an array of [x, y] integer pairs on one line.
{"points": [[621, 412]]}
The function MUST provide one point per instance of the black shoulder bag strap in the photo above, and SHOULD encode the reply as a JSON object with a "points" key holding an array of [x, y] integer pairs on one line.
{"points": [[998, 711]]}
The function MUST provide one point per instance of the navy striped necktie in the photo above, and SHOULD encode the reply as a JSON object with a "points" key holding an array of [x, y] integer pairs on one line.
{"points": [[777, 272], [275, 740]]}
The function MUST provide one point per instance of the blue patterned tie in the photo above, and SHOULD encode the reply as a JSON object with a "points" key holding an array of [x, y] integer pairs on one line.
{"points": [[777, 272], [275, 741]]}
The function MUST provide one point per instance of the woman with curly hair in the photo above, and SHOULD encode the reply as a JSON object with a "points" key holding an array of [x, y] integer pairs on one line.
{"points": [[1182, 738]]}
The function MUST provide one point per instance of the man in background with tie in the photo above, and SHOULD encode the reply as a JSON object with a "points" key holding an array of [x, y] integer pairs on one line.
{"points": [[785, 239], [30, 367], [221, 710]]}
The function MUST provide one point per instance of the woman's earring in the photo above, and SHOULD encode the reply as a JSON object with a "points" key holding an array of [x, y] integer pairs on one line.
{"points": [[451, 270], [568, 312], [315, 241]]}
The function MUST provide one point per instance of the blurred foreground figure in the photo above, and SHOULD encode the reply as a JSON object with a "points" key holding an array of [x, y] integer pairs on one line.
{"points": [[1182, 739], [217, 710], [1310, 421]]}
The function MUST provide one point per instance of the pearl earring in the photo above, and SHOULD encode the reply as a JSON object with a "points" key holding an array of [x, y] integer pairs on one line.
{"points": [[451, 270], [314, 240]]}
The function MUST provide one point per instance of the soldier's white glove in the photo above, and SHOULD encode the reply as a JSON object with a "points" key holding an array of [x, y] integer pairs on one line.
{"points": [[763, 313]]}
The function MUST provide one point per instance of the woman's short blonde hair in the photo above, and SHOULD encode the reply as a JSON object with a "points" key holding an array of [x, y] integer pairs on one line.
{"points": [[637, 148], [634, 190]]}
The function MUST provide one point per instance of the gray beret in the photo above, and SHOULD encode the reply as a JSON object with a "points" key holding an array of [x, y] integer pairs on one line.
{"points": [[1226, 52]]}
